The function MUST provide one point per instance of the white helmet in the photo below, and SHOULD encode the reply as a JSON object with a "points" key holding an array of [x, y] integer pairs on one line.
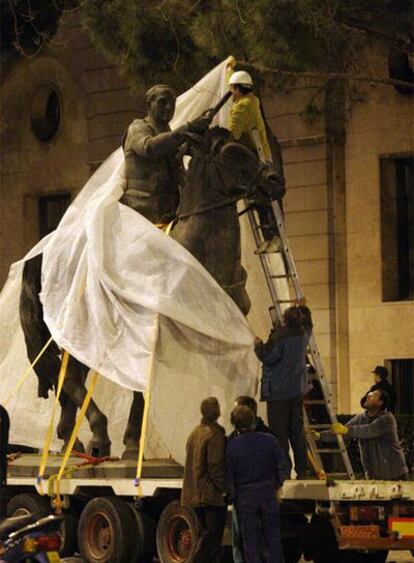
{"points": [[241, 77]]}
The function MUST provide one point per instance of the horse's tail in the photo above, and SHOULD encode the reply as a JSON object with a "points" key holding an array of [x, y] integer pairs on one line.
{"points": [[35, 331]]}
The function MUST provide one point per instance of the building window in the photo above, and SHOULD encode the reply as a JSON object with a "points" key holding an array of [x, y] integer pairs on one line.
{"points": [[403, 385], [51, 210], [397, 233], [45, 114]]}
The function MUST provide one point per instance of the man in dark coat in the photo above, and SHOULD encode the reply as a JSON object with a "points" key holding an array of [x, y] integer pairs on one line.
{"points": [[259, 426], [284, 382], [256, 468], [205, 484], [381, 383]]}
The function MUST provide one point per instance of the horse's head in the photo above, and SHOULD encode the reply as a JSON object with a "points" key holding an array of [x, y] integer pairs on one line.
{"points": [[262, 175]]}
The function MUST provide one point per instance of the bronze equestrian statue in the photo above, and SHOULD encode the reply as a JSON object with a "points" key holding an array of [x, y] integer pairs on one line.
{"points": [[153, 171], [220, 173]]}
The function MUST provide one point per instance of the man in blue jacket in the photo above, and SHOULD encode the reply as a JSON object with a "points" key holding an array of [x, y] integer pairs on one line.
{"points": [[284, 382], [256, 469]]}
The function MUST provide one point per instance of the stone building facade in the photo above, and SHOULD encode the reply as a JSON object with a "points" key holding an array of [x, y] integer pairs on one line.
{"points": [[334, 216]]}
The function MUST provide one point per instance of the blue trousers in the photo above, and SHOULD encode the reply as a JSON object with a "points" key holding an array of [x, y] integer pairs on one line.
{"points": [[259, 521], [236, 538]]}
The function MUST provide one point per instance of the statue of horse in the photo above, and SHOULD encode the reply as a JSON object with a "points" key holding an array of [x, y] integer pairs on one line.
{"points": [[220, 173]]}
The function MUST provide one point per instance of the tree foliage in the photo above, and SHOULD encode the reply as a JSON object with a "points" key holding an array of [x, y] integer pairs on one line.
{"points": [[179, 40], [27, 24]]}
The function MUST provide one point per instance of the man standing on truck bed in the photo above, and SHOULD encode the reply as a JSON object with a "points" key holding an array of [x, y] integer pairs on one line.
{"points": [[205, 483], [376, 432]]}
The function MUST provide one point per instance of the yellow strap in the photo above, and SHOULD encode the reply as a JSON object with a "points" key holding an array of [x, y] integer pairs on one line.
{"points": [[51, 429], [320, 473], [147, 396], [26, 372], [79, 420], [75, 432]]}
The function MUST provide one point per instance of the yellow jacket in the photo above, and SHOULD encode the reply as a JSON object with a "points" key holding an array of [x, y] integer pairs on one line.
{"points": [[245, 115]]}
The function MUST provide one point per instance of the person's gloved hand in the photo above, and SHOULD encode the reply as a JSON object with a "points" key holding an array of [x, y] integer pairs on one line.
{"points": [[315, 435], [227, 498], [339, 428], [201, 123], [231, 62]]}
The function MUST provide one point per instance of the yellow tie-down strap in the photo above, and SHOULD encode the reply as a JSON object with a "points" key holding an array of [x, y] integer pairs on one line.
{"points": [[49, 434], [147, 395], [79, 419], [24, 375]]}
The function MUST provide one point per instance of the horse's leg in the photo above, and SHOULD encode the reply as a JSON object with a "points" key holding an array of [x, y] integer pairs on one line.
{"points": [[133, 428], [74, 387], [67, 422]]}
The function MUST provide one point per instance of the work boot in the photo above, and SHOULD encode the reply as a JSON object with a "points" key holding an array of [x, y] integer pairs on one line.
{"points": [[274, 245], [261, 249]]}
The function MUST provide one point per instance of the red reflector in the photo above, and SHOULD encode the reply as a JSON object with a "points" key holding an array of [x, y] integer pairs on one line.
{"points": [[48, 543]]}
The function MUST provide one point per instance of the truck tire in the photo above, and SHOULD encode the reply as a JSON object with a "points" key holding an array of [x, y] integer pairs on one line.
{"points": [[145, 533], [106, 532], [28, 503], [69, 533], [177, 534]]}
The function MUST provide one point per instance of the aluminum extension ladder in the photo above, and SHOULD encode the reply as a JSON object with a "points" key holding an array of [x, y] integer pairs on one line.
{"points": [[329, 460]]}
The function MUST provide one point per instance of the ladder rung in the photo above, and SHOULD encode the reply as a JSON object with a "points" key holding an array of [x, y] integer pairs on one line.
{"points": [[279, 276], [336, 474], [264, 226], [327, 451], [287, 301], [320, 425]]}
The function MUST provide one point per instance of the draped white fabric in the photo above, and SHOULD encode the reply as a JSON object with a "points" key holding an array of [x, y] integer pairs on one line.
{"points": [[108, 274]]}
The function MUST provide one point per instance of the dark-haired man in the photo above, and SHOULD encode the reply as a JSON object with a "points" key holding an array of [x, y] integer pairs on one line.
{"points": [[247, 401], [205, 483], [376, 431], [284, 382], [259, 426], [256, 468], [381, 382]]}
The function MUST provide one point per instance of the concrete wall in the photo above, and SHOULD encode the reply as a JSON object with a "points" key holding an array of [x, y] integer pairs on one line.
{"points": [[96, 106], [377, 330], [309, 211]]}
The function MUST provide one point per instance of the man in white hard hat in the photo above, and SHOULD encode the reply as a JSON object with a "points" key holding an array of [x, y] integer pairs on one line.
{"points": [[246, 116]]}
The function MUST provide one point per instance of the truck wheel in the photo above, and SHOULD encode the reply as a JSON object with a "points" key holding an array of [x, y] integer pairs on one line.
{"points": [[106, 532], [29, 503], [177, 534], [145, 531], [69, 533]]}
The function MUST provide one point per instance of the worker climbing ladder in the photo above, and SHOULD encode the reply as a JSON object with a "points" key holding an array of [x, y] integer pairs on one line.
{"points": [[332, 461]]}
